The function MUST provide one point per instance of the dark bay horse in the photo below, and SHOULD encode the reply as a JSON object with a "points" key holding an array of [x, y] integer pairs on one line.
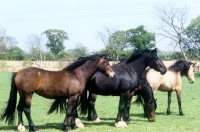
{"points": [[127, 79], [67, 83]]}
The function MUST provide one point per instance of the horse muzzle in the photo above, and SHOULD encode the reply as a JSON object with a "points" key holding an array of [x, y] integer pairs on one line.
{"points": [[111, 74]]}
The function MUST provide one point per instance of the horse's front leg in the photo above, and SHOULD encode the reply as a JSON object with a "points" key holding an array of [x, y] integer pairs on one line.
{"points": [[178, 94], [169, 102], [128, 106], [119, 122], [70, 114], [92, 114]]}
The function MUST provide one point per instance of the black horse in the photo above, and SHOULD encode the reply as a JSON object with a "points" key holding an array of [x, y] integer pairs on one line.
{"points": [[127, 81]]}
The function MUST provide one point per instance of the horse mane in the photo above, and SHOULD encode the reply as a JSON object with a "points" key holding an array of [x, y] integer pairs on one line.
{"points": [[81, 60], [181, 66], [135, 55]]}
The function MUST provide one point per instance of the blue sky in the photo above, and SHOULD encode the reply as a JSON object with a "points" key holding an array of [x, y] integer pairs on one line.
{"points": [[82, 19]]}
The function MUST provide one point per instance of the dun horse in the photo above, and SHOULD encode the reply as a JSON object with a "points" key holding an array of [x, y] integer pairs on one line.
{"points": [[67, 83], [171, 81], [128, 73]]}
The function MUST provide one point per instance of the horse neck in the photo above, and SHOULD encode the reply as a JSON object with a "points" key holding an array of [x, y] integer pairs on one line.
{"points": [[86, 70], [147, 93], [139, 65]]}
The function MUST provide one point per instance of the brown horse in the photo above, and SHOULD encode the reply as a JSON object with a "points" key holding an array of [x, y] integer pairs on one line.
{"points": [[67, 83], [171, 81]]}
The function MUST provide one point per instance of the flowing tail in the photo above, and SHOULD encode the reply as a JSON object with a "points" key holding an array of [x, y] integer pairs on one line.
{"points": [[9, 112], [58, 104], [83, 103]]}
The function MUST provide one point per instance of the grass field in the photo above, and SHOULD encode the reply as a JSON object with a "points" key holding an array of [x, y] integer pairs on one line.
{"points": [[107, 110]]}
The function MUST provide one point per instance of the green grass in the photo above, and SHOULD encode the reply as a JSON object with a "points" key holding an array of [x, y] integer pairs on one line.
{"points": [[107, 110]]}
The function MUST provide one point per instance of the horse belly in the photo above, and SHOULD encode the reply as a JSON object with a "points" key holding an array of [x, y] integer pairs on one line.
{"points": [[168, 82]]}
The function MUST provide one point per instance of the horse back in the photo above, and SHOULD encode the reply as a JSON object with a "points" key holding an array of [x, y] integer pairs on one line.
{"points": [[170, 81], [48, 84]]}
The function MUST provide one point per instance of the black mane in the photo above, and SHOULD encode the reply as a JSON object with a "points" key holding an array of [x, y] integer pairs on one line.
{"points": [[137, 54], [181, 66], [81, 60]]}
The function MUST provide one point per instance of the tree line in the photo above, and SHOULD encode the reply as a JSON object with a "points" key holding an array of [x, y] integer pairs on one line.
{"points": [[118, 43]]}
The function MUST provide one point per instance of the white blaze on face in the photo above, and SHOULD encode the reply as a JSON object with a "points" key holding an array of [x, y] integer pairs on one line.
{"points": [[190, 75]]}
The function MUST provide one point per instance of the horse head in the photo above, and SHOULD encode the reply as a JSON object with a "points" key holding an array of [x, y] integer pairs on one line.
{"points": [[190, 73], [105, 67], [156, 63], [149, 110]]}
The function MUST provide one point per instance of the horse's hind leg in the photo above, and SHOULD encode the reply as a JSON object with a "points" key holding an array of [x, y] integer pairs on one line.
{"points": [[178, 94], [27, 109], [169, 102], [20, 109]]}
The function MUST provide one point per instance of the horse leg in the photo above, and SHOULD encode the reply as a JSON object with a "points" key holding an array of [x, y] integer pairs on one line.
{"points": [[20, 109], [169, 102], [27, 112], [128, 106], [178, 94], [92, 114], [119, 122], [70, 114]]}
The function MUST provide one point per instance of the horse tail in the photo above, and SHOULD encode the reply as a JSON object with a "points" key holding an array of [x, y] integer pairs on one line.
{"points": [[58, 104], [9, 112], [139, 100], [83, 103]]}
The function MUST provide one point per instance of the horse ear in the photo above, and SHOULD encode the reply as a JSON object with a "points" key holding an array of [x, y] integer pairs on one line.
{"points": [[104, 56], [154, 50]]}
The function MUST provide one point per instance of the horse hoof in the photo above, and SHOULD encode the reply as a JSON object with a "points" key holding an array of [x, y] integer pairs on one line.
{"points": [[21, 128], [121, 124], [97, 120], [78, 122]]}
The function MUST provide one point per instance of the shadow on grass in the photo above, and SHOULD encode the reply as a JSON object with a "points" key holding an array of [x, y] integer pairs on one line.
{"points": [[40, 127]]}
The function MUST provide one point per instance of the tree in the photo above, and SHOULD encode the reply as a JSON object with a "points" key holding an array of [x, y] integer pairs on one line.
{"points": [[79, 50], [114, 41], [193, 36], [140, 39], [11, 43], [55, 41], [2, 34], [35, 47], [173, 20]]}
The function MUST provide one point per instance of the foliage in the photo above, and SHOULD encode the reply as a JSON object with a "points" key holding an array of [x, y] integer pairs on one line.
{"points": [[192, 43], [79, 51], [56, 40], [35, 47], [3, 65], [193, 30], [27, 63], [124, 54], [140, 39], [118, 42]]}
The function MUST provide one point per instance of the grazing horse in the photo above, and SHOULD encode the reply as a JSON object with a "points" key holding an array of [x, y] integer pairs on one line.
{"points": [[126, 80], [67, 83]]}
